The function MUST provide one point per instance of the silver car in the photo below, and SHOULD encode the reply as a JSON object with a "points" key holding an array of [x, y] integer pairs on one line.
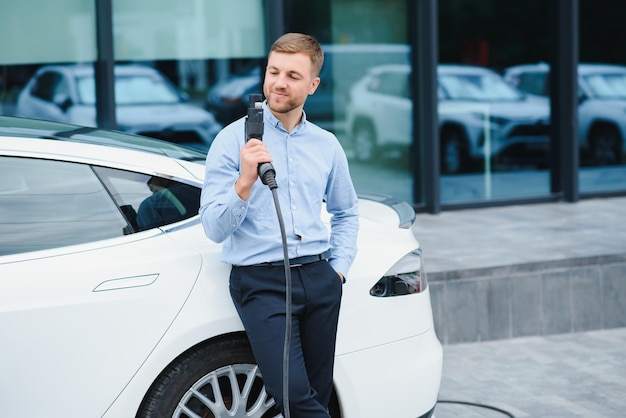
{"points": [[601, 109], [147, 103], [480, 116]]}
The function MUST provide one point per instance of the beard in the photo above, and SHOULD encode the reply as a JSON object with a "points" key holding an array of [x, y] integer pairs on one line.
{"points": [[282, 104]]}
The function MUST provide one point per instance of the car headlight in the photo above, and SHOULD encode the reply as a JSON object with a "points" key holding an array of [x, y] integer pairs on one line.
{"points": [[406, 277]]}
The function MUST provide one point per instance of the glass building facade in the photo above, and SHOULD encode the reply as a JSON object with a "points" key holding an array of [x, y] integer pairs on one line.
{"points": [[443, 103]]}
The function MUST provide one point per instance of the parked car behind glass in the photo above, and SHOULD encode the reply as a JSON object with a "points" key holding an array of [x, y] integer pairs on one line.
{"points": [[479, 115], [147, 103], [113, 303], [343, 65], [601, 108]]}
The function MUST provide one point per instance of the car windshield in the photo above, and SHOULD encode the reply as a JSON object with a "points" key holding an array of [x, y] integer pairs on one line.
{"points": [[477, 87], [131, 90], [607, 85]]}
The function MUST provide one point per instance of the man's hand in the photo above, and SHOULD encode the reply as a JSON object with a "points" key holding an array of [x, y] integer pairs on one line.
{"points": [[252, 154]]}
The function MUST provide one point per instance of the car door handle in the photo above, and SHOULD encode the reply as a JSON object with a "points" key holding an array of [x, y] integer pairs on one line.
{"points": [[126, 282]]}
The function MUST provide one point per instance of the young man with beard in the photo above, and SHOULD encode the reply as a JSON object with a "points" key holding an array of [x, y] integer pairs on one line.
{"points": [[238, 210]]}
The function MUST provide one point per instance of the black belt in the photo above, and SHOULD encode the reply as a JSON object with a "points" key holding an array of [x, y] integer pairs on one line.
{"points": [[296, 262]]}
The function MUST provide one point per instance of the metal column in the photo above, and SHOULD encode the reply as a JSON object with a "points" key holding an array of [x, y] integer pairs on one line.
{"points": [[564, 148], [425, 150], [103, 67]]}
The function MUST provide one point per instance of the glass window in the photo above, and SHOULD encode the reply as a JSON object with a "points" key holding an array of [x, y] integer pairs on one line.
{"points": [[363, 97], [150, 201], [534, 83], [494, 139], [602, 97], [47, 204], [131, 90], [46, 85]]}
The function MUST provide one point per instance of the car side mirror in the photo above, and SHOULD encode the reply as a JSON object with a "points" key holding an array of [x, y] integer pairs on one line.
{"points": [[184, 96], [63, 101]]}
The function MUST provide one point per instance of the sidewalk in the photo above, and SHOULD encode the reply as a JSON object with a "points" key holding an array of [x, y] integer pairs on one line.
{"points": [[564, 375], [559, 376], [521, 234]]}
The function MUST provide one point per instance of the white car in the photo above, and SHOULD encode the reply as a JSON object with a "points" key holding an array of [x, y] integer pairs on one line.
{"points": [[601, 108], [480, 116], [146, 103], [113, 303]]}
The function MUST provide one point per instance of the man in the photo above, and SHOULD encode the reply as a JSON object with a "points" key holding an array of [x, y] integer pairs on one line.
{"points": [[237, 209]]}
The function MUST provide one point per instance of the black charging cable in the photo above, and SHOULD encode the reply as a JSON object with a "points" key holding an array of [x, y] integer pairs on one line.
{"points": [[254, 129]]}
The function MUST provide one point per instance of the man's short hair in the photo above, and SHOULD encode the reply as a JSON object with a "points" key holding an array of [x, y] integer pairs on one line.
{"points": [[292, 43]]}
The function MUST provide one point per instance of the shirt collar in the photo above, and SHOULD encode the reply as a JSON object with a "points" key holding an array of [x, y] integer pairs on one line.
{"points": [[273, 120]]}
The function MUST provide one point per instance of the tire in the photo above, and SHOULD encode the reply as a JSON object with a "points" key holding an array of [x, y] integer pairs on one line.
{"points": [[606, 146], [453, 154], [364, 142], [186, 387]]}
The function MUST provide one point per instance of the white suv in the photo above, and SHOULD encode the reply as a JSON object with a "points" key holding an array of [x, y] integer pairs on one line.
{"points": [[480, 115], [601, 109], [147, 103]]}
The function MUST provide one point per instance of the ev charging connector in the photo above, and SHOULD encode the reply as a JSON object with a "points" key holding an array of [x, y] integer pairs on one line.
{"points": [[254, 129]]}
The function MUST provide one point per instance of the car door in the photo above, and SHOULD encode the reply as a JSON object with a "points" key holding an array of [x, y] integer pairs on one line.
{"points": [[394, 107], [84, 298], [49, 90]]}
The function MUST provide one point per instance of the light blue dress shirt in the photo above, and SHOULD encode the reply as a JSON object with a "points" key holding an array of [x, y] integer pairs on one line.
{"points": [[311, 167]]}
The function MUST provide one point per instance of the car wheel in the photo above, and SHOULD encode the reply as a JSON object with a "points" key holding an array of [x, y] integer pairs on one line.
{"points": [[364, 142], [217, 380], [606, 146], [453, 153]]}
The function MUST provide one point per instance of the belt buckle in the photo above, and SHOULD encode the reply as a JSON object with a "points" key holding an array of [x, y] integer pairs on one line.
{"points": [[296, 265]]}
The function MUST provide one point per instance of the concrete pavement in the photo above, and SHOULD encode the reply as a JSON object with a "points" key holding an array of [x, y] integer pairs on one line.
{"points": [[562, 375], [559, 376]]}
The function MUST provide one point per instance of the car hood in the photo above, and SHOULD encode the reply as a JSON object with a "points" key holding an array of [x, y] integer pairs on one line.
{"points": [[510, 110], [609, 101]]}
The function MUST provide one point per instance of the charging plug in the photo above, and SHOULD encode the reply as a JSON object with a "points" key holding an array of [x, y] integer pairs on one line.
{"points": [[254, 129]]}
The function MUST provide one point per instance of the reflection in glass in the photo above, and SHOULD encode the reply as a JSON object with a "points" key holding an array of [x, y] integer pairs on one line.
{"points": [[49, 204]]}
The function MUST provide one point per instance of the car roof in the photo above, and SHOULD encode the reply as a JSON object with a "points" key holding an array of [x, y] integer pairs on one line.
{"points": [[40, 129]]}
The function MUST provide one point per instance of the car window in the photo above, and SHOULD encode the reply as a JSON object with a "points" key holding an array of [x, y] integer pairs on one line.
{"points": [[45, 85], [46, 204], [534, 83], [394, 84], [607, 85], [150, 201]]}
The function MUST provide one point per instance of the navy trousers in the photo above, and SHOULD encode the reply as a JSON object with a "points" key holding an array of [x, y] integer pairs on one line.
{"points": [[259, 296]]}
